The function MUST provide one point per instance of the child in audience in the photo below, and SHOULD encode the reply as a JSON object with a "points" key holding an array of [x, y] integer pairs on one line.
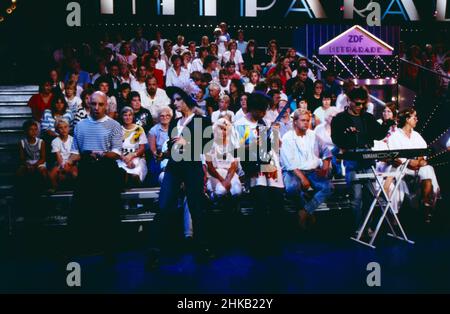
{"points": [[63, 169], [32, 153]]}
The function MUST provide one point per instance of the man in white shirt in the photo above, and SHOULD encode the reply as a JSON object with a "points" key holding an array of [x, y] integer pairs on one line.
{"points": [[154, 98], [159, 41], [406, 138], [177, 75], [179, 47], [224, 82], [305, 163]]}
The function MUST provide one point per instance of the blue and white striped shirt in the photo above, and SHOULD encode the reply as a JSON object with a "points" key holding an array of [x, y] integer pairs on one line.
{"points": [[48, 120], [103, 135]]}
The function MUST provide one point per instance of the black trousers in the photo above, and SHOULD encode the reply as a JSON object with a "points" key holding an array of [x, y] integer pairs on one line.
{"points": [[95, 214], [192, 175]]}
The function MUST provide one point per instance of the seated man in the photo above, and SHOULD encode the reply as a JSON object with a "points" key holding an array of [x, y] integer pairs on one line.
{"points": [[305, 162], [406, 138]]}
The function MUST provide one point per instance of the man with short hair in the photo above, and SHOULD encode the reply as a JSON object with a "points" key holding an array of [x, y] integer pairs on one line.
{"points": [[224, 81], [306, 162], [179, 47], [355, 128], [154, 98], [302, 76], [96, 146], [212, 102], [139, 45]]}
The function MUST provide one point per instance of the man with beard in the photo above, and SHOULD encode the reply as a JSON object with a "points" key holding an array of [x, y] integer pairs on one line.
{"points": [[154, 98]]}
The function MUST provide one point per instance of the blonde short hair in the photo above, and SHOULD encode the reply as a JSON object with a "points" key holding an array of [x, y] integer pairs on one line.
{"points": [[60, 121], [301, 112]]}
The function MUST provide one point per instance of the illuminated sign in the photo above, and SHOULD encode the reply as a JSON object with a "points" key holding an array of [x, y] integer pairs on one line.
{"points": [[356, 41]]}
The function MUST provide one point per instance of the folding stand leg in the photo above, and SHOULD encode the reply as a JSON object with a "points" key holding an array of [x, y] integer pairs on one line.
{"points": [[389, 208], [366, 221], [385, 209]]}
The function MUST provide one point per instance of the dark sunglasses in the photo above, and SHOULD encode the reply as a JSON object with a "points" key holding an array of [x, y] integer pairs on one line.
{"points": [[177, 99], [357, 104]]}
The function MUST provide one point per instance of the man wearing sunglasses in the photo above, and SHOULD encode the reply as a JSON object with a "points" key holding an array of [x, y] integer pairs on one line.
{"points": [[355, 128]]}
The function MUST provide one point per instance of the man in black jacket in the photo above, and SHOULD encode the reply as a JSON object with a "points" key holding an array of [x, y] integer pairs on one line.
{"points": [[354, 128]]}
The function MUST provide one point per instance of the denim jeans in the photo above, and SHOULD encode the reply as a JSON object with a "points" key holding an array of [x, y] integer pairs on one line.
{"points": [[362, 197], [322, 186]]}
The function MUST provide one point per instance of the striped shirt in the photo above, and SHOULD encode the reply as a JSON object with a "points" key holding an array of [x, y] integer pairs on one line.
{"points": [[48, 120], [103, 135]]}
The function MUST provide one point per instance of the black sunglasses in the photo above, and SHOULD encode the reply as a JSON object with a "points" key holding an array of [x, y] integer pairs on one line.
{"points": [[357, 104]]}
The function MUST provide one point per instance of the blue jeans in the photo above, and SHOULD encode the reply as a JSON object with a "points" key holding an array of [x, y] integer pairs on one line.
{"points": [[362, 197], [322, 186]]}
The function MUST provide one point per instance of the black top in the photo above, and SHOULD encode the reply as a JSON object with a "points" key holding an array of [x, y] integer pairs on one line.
{"points": [[314, 103], [211, 103], [196, 137], [144, 119], [368, 130], [309, 87], [250, 60]]}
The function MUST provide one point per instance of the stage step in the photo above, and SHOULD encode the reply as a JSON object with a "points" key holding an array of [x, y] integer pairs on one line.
{"points": [[11, 109], [19, 89]]}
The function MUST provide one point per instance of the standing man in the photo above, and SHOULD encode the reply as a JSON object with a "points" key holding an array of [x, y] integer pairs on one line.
{"points": [[96, 146], [354, 128]]}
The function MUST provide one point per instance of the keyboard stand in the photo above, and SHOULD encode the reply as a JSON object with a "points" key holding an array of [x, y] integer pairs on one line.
{"points": [[379, 196]]}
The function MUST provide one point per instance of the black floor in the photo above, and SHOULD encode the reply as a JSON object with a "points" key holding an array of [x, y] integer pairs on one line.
{"points": [[277, 260]]}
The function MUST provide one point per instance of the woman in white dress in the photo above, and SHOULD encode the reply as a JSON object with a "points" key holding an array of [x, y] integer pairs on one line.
{"points": [[133, 147]]}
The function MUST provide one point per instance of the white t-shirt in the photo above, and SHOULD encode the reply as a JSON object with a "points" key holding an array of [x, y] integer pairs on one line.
{"points": [[161, 65], [197, 65], [73, 104], [221, 44], [249, 87], [271, 115], [341, 102], [239, 115], [138, 86], [154, 42], [237, 57], [58, 146], [320, 113]]}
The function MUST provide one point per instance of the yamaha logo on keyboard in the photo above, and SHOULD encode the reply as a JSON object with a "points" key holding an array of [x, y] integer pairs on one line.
{"points": [[387, 155]]}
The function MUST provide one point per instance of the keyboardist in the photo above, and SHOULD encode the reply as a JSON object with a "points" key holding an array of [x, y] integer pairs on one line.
{"points": [[354, 128], [406, 138]]}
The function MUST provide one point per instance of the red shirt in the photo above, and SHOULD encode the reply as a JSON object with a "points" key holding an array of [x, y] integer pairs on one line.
{"points": [[38, 106], [159, 75], [282, 76]]}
